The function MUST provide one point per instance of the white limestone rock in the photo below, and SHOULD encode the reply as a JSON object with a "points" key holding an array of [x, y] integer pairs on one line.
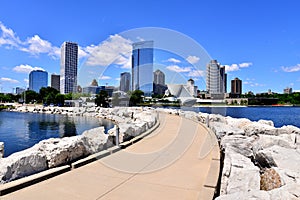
{"points": [[256, 128], [266, 122], [241, 175], [265, 141], [222, 129], [239, 144], [284, 158], [60, 151], [95, 140], [237, 122], [21, 164]]}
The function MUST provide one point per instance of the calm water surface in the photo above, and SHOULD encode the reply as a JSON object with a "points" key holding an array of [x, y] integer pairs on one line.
{"points": [[20, 131], [279, 115]]}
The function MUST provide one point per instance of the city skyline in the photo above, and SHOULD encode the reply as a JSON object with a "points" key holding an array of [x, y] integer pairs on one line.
{"points": [[256, 41]]}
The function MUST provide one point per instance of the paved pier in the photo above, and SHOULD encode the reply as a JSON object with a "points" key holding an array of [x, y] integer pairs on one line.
{"points": [[179, 160]]}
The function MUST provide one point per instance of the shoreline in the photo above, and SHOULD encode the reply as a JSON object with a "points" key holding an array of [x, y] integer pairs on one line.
{"points": [[54, 152]]}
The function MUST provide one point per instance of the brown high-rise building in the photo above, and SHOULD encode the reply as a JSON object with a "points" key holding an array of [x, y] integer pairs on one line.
{"points": [[236, 88], [55, 81]]}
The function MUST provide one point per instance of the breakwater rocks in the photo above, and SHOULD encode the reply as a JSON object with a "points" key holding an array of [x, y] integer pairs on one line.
{"points": [[260, 161], [55, 152]]}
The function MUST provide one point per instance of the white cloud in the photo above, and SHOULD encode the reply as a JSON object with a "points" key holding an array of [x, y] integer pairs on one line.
{"points": [[35, 46], [26, 68], [174, 60], [117, 79], [236, 67], [192, 59], [26, 81], [176, 68], [295, 68], [244, 65], [114, 50], [197, 73], [9, 80], [8, 37], [104, 77]]}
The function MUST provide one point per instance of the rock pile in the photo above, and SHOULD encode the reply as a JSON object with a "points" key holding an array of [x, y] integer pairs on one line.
{"points": [[55, 152]]}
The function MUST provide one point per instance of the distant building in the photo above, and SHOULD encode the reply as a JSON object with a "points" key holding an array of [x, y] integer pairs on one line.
{"points": [[236, 88], [142, 67], [288, 90], [216, 79], [37, 80], [55, 81], [125, 78], [19, 90], [192, 88], [68, 67], [159, 86], [94, 82]]}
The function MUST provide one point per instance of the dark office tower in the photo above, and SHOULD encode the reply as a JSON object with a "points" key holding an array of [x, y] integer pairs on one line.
{"points": [[223, 80], [236, 88], [159, 77], [68, 67], [37, 80], [125, 81], [142, 67], [159, 82], [55, 81]]}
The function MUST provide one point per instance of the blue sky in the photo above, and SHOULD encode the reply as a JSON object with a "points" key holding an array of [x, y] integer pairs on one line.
{"points": [[258, 41]]}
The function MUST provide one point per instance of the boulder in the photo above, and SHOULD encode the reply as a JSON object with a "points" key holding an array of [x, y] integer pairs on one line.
{"points": [[256, 128], [221, 129], [60, 151], [95, 140], [21, 164], [239, 144], [241, 175], [266, 122]]}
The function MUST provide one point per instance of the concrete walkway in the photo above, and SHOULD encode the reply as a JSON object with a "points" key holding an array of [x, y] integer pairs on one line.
{"points": [[179, 160]]}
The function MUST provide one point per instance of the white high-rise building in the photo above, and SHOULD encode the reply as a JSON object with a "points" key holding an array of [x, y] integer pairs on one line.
{"points": [[215, 78], [68, 67]]}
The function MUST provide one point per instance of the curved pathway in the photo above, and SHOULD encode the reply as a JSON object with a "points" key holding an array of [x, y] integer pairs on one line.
{"points": [[179, 160]]}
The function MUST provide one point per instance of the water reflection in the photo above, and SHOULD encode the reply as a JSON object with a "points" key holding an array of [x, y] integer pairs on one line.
{"points": [[22, 130]]}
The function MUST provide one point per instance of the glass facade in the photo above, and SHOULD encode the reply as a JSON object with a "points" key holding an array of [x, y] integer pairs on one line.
{"points": [[142, 67], [68, 68], [125, 81], [37, 80]]}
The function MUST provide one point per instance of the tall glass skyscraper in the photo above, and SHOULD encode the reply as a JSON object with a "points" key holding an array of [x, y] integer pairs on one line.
{"points": [[142, 67], [68, 67], [125, 81], [37, 80]]}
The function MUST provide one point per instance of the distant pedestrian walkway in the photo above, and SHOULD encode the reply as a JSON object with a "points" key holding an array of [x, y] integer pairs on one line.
{"points": [[179, 160]]}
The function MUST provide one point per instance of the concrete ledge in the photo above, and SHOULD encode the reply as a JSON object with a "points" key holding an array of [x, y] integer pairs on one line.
{"points": [[89, 159], [113, 149], [213, 174], [30, 180]]}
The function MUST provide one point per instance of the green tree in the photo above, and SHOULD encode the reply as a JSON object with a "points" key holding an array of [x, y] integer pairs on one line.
{"points": [[31, 96], [60, 99], [102, 99], [136, 98]]}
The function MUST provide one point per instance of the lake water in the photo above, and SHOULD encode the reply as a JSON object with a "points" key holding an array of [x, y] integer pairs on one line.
{"points": [[20, 131], [279, 115]]}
